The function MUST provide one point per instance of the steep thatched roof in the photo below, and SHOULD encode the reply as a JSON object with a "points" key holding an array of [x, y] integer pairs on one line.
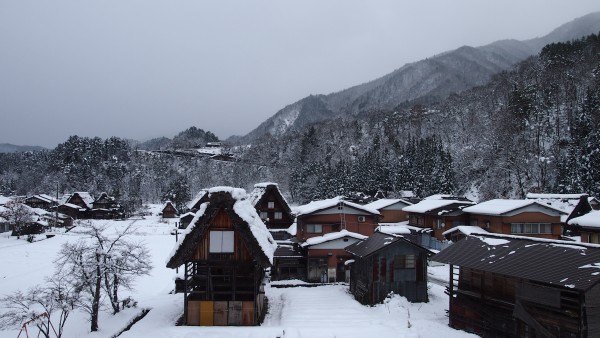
{"points": [[245, 221]]}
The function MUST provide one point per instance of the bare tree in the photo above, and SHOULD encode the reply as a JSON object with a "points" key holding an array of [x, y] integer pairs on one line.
{"points": [[102, 262], [18, 215], [39, 305]]}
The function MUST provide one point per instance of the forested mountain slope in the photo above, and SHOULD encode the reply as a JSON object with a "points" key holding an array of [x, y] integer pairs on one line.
{"points": [[425, 81]]}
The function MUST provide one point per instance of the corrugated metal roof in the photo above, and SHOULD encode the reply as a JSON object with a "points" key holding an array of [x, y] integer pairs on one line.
{"points": [[561, 263], [376, 242]]}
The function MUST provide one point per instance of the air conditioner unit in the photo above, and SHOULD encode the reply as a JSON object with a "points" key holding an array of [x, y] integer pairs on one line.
{"points": [[361, 218]]}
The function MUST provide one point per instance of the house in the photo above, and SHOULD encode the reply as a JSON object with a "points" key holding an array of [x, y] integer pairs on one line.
{"points": [[186, 219], [459, 232], [331, 215], [169, 211], [289, 262], [77, 205], [574, 205], [391, 209], [71, 210], [594, 203], [438, 213], [326, 257], [272, 208], [224, 254], [516, 286], [41, 201], [324, 228], [106, 207], [517, 217], [57, 219], [385, 263], [588, 226], [201, 197]]}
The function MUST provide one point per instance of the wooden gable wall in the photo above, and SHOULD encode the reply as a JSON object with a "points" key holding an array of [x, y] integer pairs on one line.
{"points": [[222, 221]]}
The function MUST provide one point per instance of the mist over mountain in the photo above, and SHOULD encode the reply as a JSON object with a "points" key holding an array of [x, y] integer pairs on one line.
{"points": [[11, 148], [426, 81]]}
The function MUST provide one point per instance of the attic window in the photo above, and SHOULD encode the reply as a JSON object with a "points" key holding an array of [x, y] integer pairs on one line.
{"points": [[271, 205], [278, 215], [221, 242]]}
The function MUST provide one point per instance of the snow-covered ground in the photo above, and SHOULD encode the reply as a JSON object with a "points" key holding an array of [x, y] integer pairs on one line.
{"points": [[324, 311]]}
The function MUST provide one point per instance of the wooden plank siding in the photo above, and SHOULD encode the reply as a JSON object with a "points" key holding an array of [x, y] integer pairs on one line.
{"points": [[222, 222], [493, 305]]}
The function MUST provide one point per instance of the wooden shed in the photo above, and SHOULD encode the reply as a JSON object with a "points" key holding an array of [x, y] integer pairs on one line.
{"points": [[169, 210], [224, 255], [387, 263], [515, 286]]}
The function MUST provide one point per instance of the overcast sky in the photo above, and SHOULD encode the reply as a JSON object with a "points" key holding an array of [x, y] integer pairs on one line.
{"points": [[148, 68]]}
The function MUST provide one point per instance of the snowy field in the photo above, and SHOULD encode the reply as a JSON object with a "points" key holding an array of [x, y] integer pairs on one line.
{"points": [[324, 311]]}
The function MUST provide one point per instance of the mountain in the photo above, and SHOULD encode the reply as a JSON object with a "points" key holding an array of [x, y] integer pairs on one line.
{"points": [[425, 81], [192, 137], [11, 148]]}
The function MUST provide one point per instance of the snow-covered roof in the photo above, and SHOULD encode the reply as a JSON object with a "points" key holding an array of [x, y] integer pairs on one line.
{"points": [[328, 203], [564, 202], [169, 203], [502, 206], [385, 202], [242, 209], [401, 228], [589, 220], [466, 229], [44, 197], [71, 206], [86, 197], [260, 189], [438, 197], [428, 205], [196, 199], [332, 236], [533, 196]]}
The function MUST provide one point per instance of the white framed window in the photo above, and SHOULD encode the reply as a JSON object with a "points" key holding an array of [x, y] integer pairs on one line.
{"points": [[221, 241], [314, 228], [278, 215], [271, 205], [362, 219], [264, 215]]}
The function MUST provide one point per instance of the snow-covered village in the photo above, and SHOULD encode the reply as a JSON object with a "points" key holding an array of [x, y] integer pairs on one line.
{"points": [[313, 169], [230, 263]]}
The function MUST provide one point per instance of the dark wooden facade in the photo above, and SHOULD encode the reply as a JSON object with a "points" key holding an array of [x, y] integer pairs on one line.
{"points": [[169, 210], [523, 287], [439, 219], [386, 263], [106, 207], [271, 206], [224, 288], [185, 220], [289, 262], [41, 202]]}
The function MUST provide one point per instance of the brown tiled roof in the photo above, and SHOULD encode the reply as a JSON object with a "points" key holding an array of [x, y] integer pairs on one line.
{"points": [[565, 264]]}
